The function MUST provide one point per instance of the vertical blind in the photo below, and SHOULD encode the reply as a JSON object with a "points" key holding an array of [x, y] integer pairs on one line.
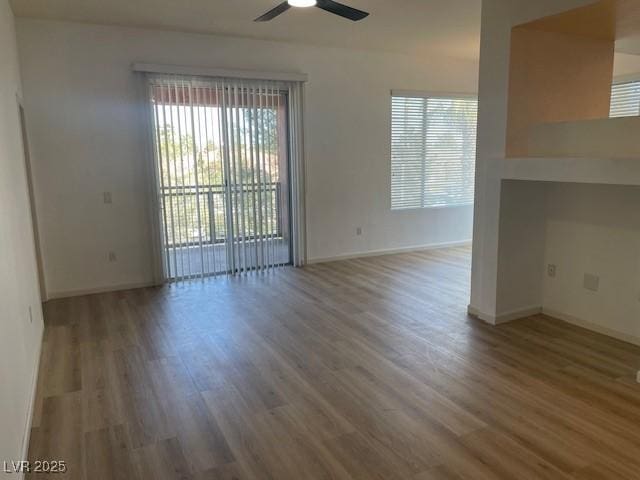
{"points": [[433, 149], [223, 173], [625, 99]]}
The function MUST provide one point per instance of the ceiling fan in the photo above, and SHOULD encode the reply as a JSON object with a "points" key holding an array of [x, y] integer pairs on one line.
{"points": [[328, 5]]}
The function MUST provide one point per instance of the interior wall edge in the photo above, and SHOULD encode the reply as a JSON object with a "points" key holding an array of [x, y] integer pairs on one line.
{"points": [[105, 289], [21, 324]]}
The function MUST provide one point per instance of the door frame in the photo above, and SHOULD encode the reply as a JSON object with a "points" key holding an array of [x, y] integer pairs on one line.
{"points": [[26, 155]]}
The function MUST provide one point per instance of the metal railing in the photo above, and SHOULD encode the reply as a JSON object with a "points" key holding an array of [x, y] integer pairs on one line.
{"points": [[197, 215]]}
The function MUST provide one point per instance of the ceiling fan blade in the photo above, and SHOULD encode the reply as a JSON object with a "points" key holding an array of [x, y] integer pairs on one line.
{"points": [[342, 10], [274, 12]]}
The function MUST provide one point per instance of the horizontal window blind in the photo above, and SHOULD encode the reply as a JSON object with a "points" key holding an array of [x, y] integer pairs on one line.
{"points": [[625, 99], [433, 150]]}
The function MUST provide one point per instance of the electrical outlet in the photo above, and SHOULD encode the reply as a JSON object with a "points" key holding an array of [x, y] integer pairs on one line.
{"points": [[112, 256], [107, 197], [359, 231], [591, 282], [551, 270]]}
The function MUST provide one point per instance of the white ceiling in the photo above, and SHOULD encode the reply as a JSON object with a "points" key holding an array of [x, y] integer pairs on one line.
{"points": [[448, 27]]}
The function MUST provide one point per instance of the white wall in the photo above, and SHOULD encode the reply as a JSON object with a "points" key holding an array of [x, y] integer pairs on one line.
{"points": [[20, 338], [581, 229], [520, 227], [498, 17], [594, 229], [626, 67], [87, 139], [522, 245]]}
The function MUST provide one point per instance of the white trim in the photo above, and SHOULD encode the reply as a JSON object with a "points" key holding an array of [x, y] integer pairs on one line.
{"points": [[105, 289], [517, 314], [219, 72], [477, 313], [563, 317], [389, 251], [504, 317], [27, 162], [423, 94], [578, 322], [32, 403]]}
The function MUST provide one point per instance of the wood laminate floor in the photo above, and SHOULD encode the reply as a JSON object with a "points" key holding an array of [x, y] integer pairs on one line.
{"points": [[359, 369]]}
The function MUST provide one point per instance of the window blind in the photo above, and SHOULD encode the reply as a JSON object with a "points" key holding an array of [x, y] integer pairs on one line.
{"points": [[625, 99], [226, 152], [433, 150]]}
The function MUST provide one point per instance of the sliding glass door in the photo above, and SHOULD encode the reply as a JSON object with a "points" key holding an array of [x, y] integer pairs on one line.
{"points": [[222, 169]]}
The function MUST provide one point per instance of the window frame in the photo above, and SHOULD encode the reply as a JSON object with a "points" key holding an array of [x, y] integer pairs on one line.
{"points": [[425, 95]]}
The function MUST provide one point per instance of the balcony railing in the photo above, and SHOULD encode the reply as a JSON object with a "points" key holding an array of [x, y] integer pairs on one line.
{"points": [[197, 215]]}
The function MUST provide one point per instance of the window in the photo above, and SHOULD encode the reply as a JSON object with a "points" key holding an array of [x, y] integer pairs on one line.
{"points": [[625, 99], [433, 150], [222, 161]]}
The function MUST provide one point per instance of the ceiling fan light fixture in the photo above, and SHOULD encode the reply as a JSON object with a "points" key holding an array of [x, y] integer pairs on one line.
{"points": [[302, 3], [330, 6]]}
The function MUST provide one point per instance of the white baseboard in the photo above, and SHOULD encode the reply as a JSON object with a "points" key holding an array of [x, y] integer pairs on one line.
{"points": [[32, 404], [517, 314], [504, 317], [476, 313], [527, 312], [389, 251], [370, 253], [105, 289], [594, 327]]}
